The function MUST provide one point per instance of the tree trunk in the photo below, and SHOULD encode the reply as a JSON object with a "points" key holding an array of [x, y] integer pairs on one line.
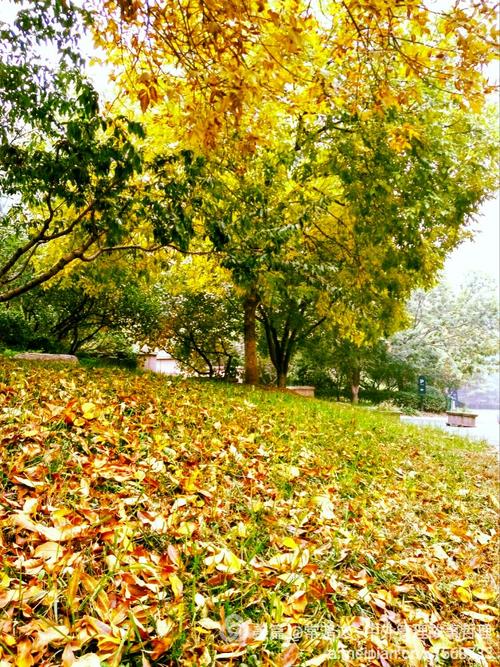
{"points": [[282, 375], [250, 334], [355, 382], [74, 343]]}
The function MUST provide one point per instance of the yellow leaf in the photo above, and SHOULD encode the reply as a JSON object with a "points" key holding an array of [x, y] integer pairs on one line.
{"points": [[24, 656], [73, 584], [230, 563], [4, 580], [190, 484], [441, 644], [176, 584], [289, 543], [225, 561], [88, 410], [463, 594], [484, 593]]}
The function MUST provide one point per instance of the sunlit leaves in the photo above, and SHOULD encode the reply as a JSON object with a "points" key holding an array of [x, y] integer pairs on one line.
{"points": [[195, 515], [231, 66]]}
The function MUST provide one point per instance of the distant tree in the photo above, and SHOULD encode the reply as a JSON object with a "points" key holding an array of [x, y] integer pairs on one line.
{"points": [[287, 324], [454, 334], [201, 315], [452, 337], [343, 367], [76, 310], [202, 331]]}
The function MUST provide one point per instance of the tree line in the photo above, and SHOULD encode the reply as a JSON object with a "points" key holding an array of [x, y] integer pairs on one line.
{"points": [[304, 171]]}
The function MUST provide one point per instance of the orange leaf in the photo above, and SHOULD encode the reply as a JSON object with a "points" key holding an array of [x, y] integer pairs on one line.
{"points": [[72, 588], [144, 102], [289, 657], [24, 656], [52, 534]]}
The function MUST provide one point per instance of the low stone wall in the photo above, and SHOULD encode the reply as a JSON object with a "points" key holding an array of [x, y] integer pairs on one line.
{"points": [[43, 356], [303, 391], [467, 419]]}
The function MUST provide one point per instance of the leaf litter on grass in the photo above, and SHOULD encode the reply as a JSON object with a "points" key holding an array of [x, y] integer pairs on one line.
{"points": [[155, 522]]}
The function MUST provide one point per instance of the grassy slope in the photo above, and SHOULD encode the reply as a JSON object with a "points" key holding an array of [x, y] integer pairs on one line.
{"points": [[138, 514]]}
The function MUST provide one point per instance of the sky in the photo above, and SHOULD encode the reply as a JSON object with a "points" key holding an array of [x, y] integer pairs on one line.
{"points": [[480, 254]]}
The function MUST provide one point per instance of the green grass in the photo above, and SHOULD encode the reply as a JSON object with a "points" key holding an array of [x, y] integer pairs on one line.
{"points": [[318, 513]]}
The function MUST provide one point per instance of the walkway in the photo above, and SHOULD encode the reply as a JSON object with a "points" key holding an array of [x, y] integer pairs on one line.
{"points": [[487, 426]]}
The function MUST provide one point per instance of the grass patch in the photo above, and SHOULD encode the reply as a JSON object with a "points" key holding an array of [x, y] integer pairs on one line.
{"points": [[152, 521]]}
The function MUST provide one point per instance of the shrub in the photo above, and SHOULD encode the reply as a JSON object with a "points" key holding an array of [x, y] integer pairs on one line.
{"points": [[17, 333], [13, 329], [434, 400]]}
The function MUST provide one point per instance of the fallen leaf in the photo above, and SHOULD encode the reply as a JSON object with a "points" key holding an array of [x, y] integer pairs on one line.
{"points": [[87, 660], [485, 618], [416, 653], [54, 635], [50, 533], [24, 656], [176, 584], [463, 594], [225, 561], [439, 552], [89, 410], [484, 593], [209, 624], [289, 656]]}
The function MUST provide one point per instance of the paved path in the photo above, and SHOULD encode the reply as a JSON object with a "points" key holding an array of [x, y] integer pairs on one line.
{"points": [[487, 426]]}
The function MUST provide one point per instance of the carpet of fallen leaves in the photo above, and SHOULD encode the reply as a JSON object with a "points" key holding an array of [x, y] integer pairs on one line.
{"points": [[147, 521]]}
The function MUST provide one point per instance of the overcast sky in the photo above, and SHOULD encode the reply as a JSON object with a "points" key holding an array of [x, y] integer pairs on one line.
{"points": [[481, 254]]}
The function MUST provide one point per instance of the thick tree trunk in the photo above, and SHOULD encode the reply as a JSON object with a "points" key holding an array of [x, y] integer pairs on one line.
{"points": [[250, 334], [281, 379]]}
